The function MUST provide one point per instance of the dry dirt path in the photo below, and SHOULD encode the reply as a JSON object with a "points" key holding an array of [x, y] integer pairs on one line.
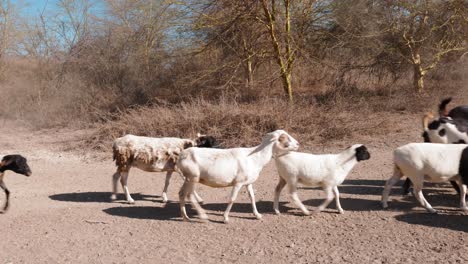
{"points": [[62, 214]]}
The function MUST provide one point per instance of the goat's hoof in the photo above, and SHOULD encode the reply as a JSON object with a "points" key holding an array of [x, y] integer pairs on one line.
{"points": [[226, 220], [113, 197], [464, 209], [258, 216], [186, 219], [341, 211], [165, 200], [277, 212], [432, 211], [384, 205], [307, 213], [131, 201], [201, 202]]}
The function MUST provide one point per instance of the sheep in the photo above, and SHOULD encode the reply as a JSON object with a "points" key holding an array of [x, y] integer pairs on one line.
{"points": [[443, 130], [15, 163], [151, 155], [451, 127], [236, 167], [431, 162], [327, 171]]}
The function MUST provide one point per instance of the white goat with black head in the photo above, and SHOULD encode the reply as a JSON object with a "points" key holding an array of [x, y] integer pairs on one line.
{"points": [[236, 167], [429, 162], [151, 155], [15, 163], [327, 171]]}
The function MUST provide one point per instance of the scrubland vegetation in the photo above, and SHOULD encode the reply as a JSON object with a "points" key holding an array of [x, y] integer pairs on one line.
{"points": [[324, 70]]}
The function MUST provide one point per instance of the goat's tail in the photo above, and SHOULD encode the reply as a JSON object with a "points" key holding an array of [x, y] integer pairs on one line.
{"points": [[443, 106], [425, 121]]}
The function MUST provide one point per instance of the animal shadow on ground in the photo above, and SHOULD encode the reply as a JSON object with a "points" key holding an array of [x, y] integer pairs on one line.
{"points": [[366, 187], [375, 187], [450, 221], [170, 211], [98, 197]]}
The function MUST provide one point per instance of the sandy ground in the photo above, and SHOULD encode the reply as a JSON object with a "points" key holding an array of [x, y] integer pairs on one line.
{"points": [[62, 214]]}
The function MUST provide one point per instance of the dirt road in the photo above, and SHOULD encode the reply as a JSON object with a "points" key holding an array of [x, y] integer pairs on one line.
{"points": [[62, 214]]}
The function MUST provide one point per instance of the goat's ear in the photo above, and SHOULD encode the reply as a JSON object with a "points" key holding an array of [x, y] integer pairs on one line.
{"points": [[6, 161]]}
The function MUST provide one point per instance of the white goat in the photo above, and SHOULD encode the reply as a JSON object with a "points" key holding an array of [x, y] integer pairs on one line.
{"points": [[148, 154], [235, 167], [327, 171], [430, 162]]}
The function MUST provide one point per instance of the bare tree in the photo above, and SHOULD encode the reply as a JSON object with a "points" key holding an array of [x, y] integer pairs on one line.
{"points": [[423, 32]]}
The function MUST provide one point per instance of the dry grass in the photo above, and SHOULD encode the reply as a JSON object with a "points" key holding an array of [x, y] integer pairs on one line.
{"points": [[31, 94], [243, 124]]}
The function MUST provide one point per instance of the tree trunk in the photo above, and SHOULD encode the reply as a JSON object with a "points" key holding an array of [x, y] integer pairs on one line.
{"points": [[285, 64], [287, 85], [249, 73], [418, 78]]}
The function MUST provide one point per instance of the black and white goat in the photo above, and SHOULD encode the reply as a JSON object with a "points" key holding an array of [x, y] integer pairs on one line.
{"points": [[15, 163], [430, 162], [450, 128]]}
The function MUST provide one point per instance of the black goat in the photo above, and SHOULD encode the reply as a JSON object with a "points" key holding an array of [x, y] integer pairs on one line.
{"points": [[15, 163]]}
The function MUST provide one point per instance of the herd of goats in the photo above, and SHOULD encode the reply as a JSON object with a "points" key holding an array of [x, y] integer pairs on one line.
{"points": [[442, 157]]}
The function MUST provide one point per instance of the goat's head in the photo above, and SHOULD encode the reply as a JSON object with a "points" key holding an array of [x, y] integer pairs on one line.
{"points": [[15, 163], [443, 130], [283, 141], [204, 141], [361, 152]]}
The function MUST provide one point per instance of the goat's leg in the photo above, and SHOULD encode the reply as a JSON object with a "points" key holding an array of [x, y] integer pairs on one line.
{"points": [[328, 199], [123, 181], [252, 200], [115, 179], [293, 193], [417, 190], [235, 191], [389, 184], [182, 196], [337, 199], [278, 190], [456, 186], [198, 197], [201, 212], [462, 189], [406, 186], [7, 193], [166, 185]]}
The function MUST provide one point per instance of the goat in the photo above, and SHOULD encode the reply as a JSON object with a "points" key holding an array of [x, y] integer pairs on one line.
{"points": [[151, 155], [327, 171], [235, 167], [443, 130], [15, 163], [451, 127], [432, 162]]}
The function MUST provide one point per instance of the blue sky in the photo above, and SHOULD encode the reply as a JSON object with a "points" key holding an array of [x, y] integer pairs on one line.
{"points": [[35, 7]]}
